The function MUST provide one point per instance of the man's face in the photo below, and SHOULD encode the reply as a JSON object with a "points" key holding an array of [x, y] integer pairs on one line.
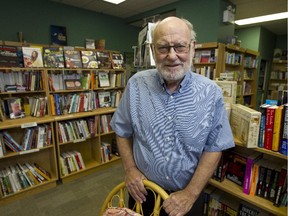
{"points": [[173, 49]]}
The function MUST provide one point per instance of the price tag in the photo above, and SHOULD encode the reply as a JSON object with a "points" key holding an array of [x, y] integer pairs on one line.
{"points": [[30, 124]]}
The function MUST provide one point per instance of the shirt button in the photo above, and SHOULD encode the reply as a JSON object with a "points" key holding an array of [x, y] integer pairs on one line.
{"points": [[171, 97], [167, 158], [169, 117], [167, 177]]}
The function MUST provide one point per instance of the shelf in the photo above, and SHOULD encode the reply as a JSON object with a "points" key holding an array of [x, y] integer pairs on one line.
{"points": [[237, 191], [27, 121]]}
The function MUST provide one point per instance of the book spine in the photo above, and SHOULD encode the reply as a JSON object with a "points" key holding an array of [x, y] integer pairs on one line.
{"points": [[262, 127], [269, 125], [277, 129], [284, 132]]}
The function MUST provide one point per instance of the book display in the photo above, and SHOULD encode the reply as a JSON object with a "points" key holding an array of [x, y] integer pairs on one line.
{"points": [[278, 80], [208, 59], [51, 118], [228, 62]]}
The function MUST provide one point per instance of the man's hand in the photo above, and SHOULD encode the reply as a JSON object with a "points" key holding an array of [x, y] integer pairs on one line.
{"points": [[178, 203], [134, 183]]}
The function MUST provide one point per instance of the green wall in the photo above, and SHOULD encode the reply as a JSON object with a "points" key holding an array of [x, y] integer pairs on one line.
{"points": [[34, 17]]}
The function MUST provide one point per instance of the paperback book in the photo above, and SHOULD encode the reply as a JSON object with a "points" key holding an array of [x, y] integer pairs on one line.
{"points": [[32, 57], [8, 56], [89, 59]]}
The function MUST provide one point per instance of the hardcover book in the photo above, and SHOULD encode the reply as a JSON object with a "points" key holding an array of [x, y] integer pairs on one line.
{"points": [[32, 57], [104, 59], [8, 56], [89, 59], [245, 124], [269, 126], [117, 60], [53, 57], [104, 99], [103, 79], [72, 59]]}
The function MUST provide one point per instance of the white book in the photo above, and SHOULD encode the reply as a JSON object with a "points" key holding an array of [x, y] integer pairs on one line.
{"points": [[103, 79], [245, 125]]}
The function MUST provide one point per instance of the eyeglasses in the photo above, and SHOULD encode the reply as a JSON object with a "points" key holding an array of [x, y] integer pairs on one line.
{"points": [[180, 49]]}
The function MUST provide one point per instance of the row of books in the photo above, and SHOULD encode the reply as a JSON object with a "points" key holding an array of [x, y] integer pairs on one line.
{"points": [[233, 58], [19, 81], [18, 177], [16, 107], [84, 101], [230, 76], [217, 202], [58, 57], [279, 75], [273, 128], [106, 152], [33, 138], [250, 62], [206, 56], [71, 161], [71, 80], [256, 174], [207, 71], [73, 131]]}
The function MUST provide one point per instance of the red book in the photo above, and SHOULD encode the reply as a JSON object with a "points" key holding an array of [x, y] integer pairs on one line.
{"points": [[269, 125]]}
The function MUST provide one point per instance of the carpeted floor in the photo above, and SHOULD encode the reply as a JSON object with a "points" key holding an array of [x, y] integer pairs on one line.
{"points": [[81, 197]]}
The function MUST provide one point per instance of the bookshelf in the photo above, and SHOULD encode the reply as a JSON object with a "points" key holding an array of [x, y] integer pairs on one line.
{"points": [[80, 125], [250, 78], [278, 78], [229, 62], [208, 59], [59, 89], [33, 132]]}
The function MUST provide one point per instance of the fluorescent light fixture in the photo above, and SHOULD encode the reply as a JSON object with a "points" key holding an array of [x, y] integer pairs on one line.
{"points": [[115, 1], [260, 19]]}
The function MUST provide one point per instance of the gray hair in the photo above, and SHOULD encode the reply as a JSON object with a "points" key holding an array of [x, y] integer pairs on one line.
{"points": [[188, 24]]}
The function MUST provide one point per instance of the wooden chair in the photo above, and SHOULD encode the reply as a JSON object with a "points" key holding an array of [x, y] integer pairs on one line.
{"points": [[119, 196]]}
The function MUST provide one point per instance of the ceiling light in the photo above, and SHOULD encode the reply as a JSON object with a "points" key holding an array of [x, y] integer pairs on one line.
{"points": [[115, 1], [260, 19]]}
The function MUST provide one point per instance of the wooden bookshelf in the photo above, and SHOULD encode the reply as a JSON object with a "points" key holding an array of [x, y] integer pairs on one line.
{"points": [[48, 156]]}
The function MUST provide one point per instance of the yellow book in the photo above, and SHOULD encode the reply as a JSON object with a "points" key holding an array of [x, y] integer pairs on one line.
{"points": [[277, 129], [42, 173], [53, 112]]}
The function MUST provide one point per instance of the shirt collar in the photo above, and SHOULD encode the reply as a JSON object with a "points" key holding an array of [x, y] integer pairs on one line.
{"points": [[184, 83]]}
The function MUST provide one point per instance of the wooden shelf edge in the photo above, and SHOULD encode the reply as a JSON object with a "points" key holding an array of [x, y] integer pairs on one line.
{"points": [[236, 190]]}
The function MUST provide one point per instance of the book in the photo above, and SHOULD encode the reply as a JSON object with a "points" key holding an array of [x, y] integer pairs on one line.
{"points": [[72, 58], [284, 131], [254, 179], [261, 138], [250, 161], [8, 56], [117, 60], [32, 57], [269, 126], [89, 59], [90, 43], [104, 98], [280, 186], [277, 129], [53, 57], [245, 124], [247, 209], [104, 59], [104, 80], [229, 90], [14, 108]]}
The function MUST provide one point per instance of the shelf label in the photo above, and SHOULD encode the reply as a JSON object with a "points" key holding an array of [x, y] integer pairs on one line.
{"points": [[30, 124], [28, 151]]}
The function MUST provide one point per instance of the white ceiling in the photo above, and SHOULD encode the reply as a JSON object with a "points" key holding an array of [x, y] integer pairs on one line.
{"points": [[245, 9]]}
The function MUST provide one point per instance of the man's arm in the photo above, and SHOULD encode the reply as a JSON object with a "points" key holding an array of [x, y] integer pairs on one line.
{"points": [[133, 177], [179, 203]]}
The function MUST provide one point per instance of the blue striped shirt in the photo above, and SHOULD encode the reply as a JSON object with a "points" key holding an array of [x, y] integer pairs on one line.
{"points": [[171, 130]]}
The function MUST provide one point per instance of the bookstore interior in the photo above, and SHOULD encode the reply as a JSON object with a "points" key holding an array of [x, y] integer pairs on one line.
{"points": [[56, 102]]}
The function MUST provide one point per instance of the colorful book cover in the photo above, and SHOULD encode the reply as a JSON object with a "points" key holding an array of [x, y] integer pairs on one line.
{"points": [[104, 59], [277, 129], [72, 59], [8, 56], [53, 57], [117, 60], [32, 57], [89, 59], [269, 126]]}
